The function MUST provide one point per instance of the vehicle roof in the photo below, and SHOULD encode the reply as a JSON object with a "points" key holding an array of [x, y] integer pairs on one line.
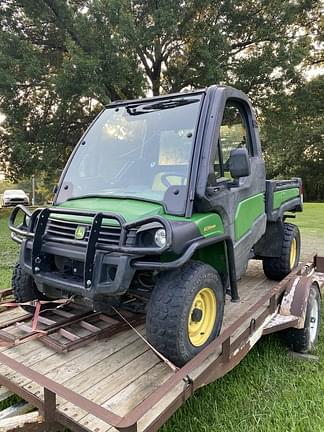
{"points": [[14, 191], [161, 97]]}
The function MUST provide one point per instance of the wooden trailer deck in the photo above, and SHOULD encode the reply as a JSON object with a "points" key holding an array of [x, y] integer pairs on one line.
{"points": [[121, 372]]}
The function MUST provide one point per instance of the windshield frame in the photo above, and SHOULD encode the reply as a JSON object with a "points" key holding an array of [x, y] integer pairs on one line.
{"points": [[169, 203]]}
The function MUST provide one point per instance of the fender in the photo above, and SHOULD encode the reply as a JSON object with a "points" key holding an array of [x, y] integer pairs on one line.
{"points": [[295, 298]]}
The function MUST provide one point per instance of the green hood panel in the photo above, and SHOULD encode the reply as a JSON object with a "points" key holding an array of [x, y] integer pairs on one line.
{"points": [[130, 209], [209, 224]]}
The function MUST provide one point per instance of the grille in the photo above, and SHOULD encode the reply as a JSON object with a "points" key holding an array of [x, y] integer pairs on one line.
{"points": [[66, 230]]}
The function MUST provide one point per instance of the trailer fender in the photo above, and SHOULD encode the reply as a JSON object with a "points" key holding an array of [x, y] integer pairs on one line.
{"points": [[294, 300]]}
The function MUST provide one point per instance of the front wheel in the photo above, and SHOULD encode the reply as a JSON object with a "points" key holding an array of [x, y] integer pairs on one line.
{"points": [[24, 288], [185, 311]]}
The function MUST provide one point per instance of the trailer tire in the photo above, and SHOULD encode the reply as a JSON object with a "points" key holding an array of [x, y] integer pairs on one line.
{"points": [[304, 340], [277, 268], [185, 311], [24, 288]]}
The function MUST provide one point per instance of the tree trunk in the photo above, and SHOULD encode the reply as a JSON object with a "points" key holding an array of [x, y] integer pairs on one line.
{"points": [[156, 82]]}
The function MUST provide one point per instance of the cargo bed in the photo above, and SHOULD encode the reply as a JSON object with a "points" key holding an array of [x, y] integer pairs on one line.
{"points": [[121, 382]]}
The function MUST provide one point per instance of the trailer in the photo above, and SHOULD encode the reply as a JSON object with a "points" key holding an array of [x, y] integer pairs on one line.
{"points": [[121, 383]]}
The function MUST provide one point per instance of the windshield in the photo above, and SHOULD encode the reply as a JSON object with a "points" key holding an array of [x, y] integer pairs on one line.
{"points": [[137, 151]]}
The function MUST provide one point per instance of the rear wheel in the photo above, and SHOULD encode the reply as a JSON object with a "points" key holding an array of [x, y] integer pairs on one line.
{"points": [[279, 267], [185, 311], [304, 340], [24, 288]]}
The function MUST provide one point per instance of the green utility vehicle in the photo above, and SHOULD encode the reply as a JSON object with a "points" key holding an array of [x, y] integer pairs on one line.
{"points": [[159, 209]]}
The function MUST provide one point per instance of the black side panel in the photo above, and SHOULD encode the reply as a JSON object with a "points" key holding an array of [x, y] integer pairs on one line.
{"points": [[224, 201], [270, 244]]}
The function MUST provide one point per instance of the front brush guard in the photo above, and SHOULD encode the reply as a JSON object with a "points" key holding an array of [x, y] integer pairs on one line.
{"points": [[36, 230]]}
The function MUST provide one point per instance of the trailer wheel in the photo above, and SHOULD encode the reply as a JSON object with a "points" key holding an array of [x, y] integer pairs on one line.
{"points": [[304, 340], [24, 288], [185, 311], [279, 267]]}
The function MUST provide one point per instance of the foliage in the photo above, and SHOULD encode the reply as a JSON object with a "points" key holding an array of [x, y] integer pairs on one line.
{"points": [[58, 67], [294, 147], [60, 62]]}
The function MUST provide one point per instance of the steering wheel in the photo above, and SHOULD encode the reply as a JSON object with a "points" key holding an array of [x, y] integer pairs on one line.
{"points": [[167, 183]]}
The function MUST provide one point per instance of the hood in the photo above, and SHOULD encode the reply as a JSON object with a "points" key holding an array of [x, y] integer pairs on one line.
{"points": [[130, 209]]}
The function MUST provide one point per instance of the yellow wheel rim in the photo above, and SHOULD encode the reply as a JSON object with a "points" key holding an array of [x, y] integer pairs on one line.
{"points": [[202, 317], [293, 253]]}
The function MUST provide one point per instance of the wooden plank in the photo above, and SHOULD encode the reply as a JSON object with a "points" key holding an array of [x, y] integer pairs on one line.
{"points": [[46, 321], [7, 336], [130, 396], [90, 327], [96, 373], [108, 319], [68, 335], [177, 390], [113, 383], [45, 360], [21, 422], [15, 410], [4, 393], [62, 367], [62, 313], [84, 375], [138, 390], [11, 323], [25, 352], [11, 314]]}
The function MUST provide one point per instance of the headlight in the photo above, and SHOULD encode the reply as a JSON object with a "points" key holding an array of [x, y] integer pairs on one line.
{"points": [[160, 237], [27, 220]]}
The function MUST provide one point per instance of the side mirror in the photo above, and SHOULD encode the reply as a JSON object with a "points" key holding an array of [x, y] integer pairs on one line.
{"points": [[239, 163]]}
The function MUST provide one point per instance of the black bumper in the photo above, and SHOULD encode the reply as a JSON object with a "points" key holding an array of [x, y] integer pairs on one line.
{"points": [[112, 273], [107, 269]]}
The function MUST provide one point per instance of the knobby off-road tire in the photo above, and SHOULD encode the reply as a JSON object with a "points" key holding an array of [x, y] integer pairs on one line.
{"points": [[24, 288], [304, 340], [185, 311], [279, 267]]}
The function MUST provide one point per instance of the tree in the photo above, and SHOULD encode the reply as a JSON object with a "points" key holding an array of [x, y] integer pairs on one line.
{"points": [[293, 137], [251, 44], [61, 61], [57, 69]]}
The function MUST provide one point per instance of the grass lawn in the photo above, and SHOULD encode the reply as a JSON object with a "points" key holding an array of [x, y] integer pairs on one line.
{"points": [[8, 250], [267, 392], [311, 221]]}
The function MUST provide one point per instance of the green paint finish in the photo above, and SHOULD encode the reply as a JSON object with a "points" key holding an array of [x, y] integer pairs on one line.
{"points": [[209, 224], [246, 213], [214, 255], [282, 196], [130, 209]]}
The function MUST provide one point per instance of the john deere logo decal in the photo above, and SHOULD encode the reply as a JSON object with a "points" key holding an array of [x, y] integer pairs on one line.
{"points": [[80, 232]]}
